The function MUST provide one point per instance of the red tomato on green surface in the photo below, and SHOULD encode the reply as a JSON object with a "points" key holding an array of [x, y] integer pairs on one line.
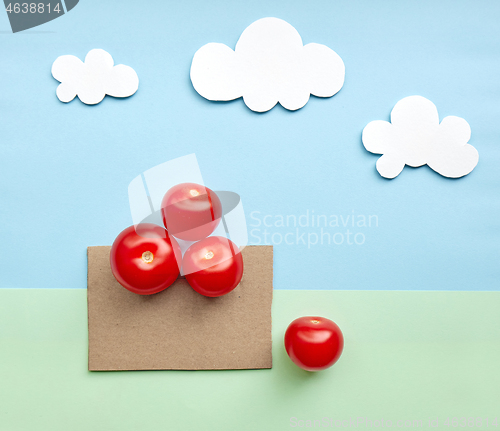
{"points": [[190, 211], [314, 343], [213, 266], [145, 261]]}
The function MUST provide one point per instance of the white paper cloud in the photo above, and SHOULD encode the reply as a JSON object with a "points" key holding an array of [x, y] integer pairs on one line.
{"points": [[414, 137], [95, 78], [269, 65]]}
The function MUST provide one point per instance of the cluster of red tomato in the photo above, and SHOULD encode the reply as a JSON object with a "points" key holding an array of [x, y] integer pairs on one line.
{"points": [[147, 258]]}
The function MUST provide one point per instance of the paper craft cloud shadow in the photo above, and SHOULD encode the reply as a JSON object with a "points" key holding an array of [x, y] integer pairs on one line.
{"points": [[93, 79], [270, 64], [414, 137]]}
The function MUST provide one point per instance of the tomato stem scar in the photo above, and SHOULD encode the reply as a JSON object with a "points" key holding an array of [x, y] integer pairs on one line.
{"points": [[194, 192], [209, 255], [315, 321], [147, 257]]}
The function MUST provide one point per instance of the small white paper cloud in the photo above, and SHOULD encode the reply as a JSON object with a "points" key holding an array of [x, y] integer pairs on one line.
{"points": [[414, 137], [270, 64], [93, 79]]}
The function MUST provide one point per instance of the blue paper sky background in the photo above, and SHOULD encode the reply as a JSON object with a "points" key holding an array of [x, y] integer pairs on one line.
{"points": [[65, 168]]}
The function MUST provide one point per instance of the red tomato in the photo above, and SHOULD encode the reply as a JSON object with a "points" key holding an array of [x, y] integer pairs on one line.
{"points": [[191, 212], [213, 266], [145, 261], [314, 343]]}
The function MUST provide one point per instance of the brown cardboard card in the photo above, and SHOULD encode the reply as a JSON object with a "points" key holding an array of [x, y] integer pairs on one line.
{"points": [[179, 329]]}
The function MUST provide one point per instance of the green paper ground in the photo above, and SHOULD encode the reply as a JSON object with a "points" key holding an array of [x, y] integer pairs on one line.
{"points": [[408, 356]]}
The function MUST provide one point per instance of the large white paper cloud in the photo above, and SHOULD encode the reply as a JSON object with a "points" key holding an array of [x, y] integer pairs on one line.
{"points": [[93, 79], [270, 64], [414, 137]]}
